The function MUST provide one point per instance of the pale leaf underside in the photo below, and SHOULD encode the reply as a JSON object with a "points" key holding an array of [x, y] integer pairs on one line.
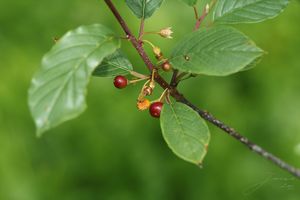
{"points": [[58, 90]]}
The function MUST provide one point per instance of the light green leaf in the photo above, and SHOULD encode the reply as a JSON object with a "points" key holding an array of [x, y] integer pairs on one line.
{"points": [[57, 92], [185, 132], [247, 11], [190, 2], [113, 65], [217, 51], [144, 8]]}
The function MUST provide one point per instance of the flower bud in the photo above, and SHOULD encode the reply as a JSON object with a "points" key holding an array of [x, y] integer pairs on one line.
{"points": [[152, 84], [207, 8], [166, 33], [147, 91], [157, 51]]}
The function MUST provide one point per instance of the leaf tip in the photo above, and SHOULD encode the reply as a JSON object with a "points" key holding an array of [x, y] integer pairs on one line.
{"points": [[200, 165]]}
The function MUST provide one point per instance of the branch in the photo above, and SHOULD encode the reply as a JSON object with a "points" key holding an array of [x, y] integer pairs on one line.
{"points": [[205, 115]]}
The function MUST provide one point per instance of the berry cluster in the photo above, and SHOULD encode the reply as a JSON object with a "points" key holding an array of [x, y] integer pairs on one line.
{"points": [[163, 63], [155, 107]]}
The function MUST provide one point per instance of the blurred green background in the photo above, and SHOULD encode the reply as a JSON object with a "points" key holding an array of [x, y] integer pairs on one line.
{"points": [[114, 152]]}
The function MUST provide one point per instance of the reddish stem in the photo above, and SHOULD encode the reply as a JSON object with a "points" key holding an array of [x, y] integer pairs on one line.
{"points": [[201, 19]]}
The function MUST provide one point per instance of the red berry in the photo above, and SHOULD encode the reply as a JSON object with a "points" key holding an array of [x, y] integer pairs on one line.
{"points": [[120, 82], [155, 109]]}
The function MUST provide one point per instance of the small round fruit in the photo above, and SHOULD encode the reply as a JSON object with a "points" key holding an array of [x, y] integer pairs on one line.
{"points": [[120, 82], [155, 109], [166, 66]]}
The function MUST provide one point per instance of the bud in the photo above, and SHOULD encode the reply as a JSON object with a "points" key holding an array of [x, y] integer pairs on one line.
{"points": [[207, 8], [157, 51], [143, 104], [152, 84], [159, 57], [166, 33], [166, 66]]}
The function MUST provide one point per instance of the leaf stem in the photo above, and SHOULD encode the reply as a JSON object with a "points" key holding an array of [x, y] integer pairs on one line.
{"points": [[150, 43], [202, 17], [182, 76], [138, 80], [138, 75], [174, 82], [204, 114], [163, 95], [205, 12], [141, 32]]}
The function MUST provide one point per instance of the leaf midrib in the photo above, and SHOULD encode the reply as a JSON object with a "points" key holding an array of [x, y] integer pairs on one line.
{"points": [[181, 127], [144, 9]]}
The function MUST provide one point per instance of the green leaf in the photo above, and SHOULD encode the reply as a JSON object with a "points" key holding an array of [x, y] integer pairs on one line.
{"points": [[217, 51], [185, 132], [247, 11], [144, 8], [57, 92], [190, 2], [112, 65]]}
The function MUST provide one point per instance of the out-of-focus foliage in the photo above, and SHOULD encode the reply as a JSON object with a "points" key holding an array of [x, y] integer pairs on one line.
{"points": [[115, 152]]}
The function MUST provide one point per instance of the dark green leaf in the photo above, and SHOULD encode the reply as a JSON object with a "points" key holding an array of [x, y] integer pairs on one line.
{"points": [[115, 64], [185, 132], [144, 8], [247, 11], [217, 51], [58, 90]]}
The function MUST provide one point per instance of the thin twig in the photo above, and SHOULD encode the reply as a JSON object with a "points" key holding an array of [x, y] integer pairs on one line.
{"points": [[130, 36], [205, 115], [201, 18], [252, 146], [205, 12]]}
